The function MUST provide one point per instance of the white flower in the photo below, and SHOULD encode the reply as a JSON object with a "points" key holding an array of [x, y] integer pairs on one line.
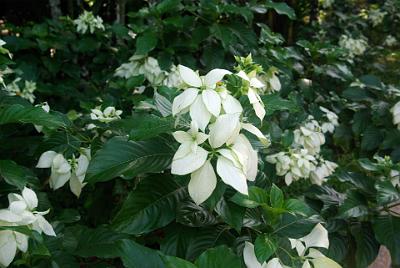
{"points": [[200, 97], [60, 168], [152, 71], [294, 165], [127, 70], [190, 156], [20, 212], [109, 114], [80, 167], [253, 92], [395, 177], [320, 174], [310, 136], [332, 121], [390, 41], [173, 78], [142, 65], [376, 16], [87, 21], [13, 89], [318, 237], [396, 114], [251, 261], [45, 106], [225, 130], [355, 47], [63, 170]]}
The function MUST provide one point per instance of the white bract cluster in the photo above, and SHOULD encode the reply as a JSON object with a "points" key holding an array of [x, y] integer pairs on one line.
{"points": [[21, 212], [332, 122], [63, 170], [390, 41], [13, 89], [327, 3], [318, 238], [109, 114], [303, 161], [396, 114], [376, 16], [355, 47], [87, 21], [215, 131], [149, 67]]}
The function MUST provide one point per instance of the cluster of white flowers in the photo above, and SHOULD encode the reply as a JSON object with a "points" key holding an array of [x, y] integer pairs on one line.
{"points": [[332, 122], [355, 47], [21, 212], [396, 114], [212, 107], [327, 3], [317, 238], [376, 16], [149, 67], [13, 89], [303, 160], [390, 41], [109, 114], [63, 170], [87, 21]]}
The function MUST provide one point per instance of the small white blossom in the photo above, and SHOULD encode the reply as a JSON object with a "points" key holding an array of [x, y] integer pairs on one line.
{"points": [[390, 41], [332, 121], [87, 21], [376, 16], [109, 114], [355, 47], [324, 170], [310, 136], [173, 78], [13, 89]]}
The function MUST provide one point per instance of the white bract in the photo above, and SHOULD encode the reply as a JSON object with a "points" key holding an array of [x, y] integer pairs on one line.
{"points": [[253, 90], [318, 237], [26, 92], [310, 136], [332, 121], [324, 170], [87, 21], [63, 170], [173, 78], [390, 41], [109, 114], [251, 261], [45, 106], [396, 114], [212, 108], [21, 212], [199, 97], [376, 16]]}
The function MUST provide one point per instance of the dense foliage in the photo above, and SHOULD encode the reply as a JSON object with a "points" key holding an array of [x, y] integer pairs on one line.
{"points": [[279, 152]]}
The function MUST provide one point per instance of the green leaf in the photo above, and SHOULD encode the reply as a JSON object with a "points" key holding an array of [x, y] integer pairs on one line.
{"points": [[218, 257], [371, 138], [134, 255], [119, 156], [164, 106], [146, 43], [354, 205], [14, 174], [274, 102], [22, 114], [366, 164], [387, 193], [281, 8], [168, 6], [367, 246], [264, 247], [276, 197], [231, 213], [387, 232], [174, 262], [150, 206], [256, 197]]}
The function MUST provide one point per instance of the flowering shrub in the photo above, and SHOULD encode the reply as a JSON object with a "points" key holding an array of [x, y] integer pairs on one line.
{"points": [[196, 136]]}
